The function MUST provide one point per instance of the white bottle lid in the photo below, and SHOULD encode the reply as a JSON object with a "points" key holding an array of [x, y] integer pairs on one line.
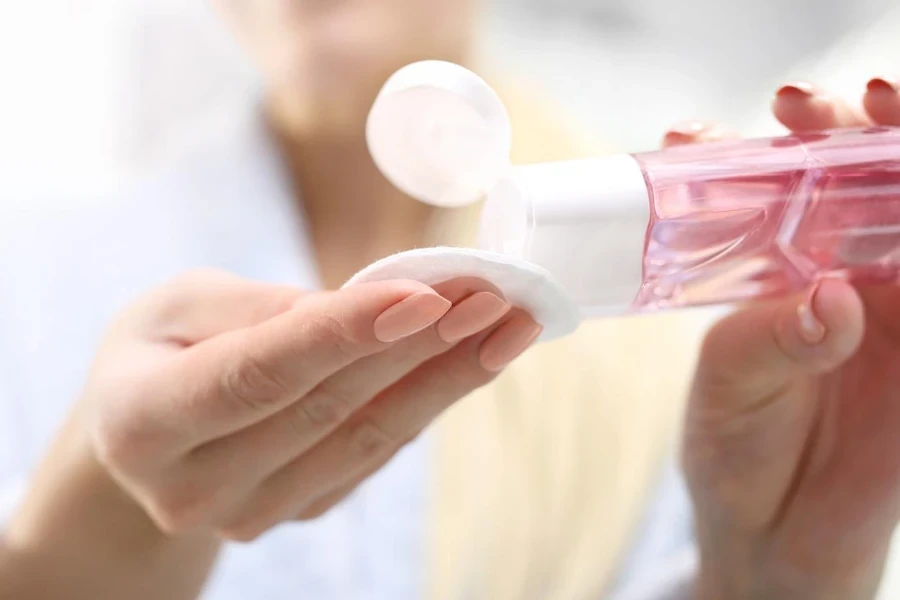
{"points": [[441, 134]]}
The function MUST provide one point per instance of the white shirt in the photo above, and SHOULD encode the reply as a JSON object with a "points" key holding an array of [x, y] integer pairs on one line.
{"points": [[66, 272]]}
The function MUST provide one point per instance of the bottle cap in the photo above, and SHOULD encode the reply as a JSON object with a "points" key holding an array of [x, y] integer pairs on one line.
{"points": [[440, 134]]}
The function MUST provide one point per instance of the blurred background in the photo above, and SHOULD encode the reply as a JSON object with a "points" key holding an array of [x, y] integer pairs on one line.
{"points": [[103, 88], [96, 92]]}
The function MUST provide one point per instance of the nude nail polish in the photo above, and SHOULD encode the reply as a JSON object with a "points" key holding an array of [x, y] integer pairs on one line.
{"points": [[474, 314], [410, 316], [508, 343]]}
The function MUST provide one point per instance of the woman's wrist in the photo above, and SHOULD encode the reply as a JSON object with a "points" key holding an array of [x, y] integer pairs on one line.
{"points": [[79, 534]]}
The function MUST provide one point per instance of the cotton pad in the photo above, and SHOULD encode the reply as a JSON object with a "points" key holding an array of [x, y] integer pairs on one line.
{"points": [[440, 133], [522, 284]]}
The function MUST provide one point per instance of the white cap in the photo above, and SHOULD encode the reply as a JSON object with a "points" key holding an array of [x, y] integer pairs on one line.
{"points": [[440, 133], [584, 221]]}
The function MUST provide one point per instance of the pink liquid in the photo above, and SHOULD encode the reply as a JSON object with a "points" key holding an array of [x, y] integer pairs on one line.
{"points": [[758, 218]]}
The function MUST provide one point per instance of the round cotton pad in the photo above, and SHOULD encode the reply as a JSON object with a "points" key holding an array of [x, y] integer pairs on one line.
{"points": [[522, 284]]}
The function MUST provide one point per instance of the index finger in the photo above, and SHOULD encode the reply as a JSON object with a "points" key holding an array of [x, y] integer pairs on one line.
{"points": [[234, 380], [882, 100], [802, 107]]}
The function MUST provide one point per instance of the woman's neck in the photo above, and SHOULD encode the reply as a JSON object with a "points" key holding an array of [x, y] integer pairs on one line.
{"points": [[355, 216]]}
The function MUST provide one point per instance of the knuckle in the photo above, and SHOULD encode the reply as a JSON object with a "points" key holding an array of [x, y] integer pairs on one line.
{"points": [[168, 524], [175, 297], [180, 510], [254, 383], [461, 379], [243, 531], [333, 331], [370, 439], [324, 407], [317, 509], [119, 445], [111, 447], [286, 300]]}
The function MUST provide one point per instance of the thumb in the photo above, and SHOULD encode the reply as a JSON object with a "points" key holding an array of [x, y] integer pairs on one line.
{"points": [[754, 353]]}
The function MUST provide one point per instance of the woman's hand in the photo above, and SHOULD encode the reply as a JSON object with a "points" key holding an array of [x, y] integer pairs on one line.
{"points": [[218, 407], [232, 406], [792, 448]]}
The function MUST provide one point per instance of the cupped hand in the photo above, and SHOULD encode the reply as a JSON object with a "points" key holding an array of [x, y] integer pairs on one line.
{"points": [[230, 406], [792, 439]]}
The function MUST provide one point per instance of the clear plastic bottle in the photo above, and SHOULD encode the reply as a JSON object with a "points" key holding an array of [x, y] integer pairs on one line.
{"points": [[712, 223], [693, 225]]}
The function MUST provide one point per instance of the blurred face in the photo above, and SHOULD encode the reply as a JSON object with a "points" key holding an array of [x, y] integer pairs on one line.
{"points": [[325, 52]]}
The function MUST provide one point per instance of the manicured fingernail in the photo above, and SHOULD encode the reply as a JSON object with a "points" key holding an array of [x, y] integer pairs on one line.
{"points": [[884, 84], [474, 314], [812, 330], [508, 343], [798, 91], [410, 316]]}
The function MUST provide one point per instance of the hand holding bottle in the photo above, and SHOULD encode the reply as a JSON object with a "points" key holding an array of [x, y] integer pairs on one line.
{"points": [[793, 430]]}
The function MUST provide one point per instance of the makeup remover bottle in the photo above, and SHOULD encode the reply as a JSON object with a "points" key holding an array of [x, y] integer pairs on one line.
{"points": [[694, 225]]}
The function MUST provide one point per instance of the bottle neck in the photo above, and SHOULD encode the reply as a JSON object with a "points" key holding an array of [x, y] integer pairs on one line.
{"points": [[583, 221]]}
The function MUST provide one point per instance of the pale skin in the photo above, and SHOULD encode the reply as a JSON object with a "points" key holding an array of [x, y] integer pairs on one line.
{"points": [[792, 429], [219, 408], [286, 401]]}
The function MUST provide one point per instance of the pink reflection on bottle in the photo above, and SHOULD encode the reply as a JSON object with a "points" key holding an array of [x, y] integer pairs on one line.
{"points": [[708, 223], [750, 219]]}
